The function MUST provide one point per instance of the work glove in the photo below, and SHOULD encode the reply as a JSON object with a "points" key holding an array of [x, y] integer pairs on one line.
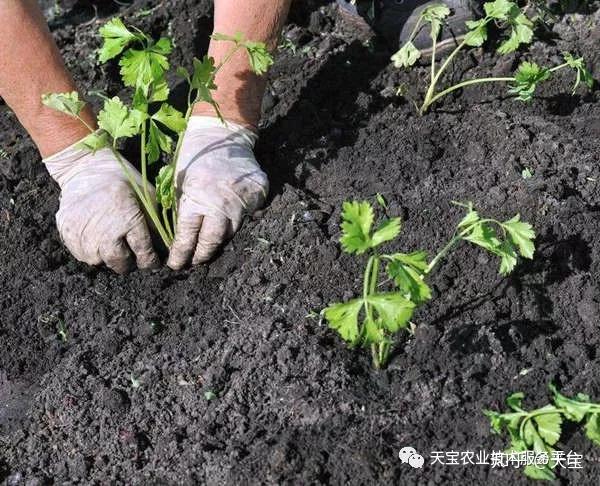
{"points": [[218, 182], [99, 219]]}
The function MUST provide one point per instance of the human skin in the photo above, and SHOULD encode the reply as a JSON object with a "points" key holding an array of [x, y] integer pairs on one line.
{"points": [[31, 65]]}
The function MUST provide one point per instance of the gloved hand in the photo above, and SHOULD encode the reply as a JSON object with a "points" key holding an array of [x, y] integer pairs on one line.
{"points": [[218, 182], [99, 219]]}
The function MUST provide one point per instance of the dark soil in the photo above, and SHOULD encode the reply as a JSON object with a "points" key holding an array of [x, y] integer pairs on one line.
{"points": [[219, 375]]}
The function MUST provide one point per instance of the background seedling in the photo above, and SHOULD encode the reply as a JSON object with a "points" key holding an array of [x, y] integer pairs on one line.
{"points": [[144, 67], [519, 28], [540, 429], [375, 317]]}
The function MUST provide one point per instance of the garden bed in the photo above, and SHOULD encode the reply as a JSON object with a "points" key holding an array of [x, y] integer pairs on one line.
{"points": [[224, 374]]}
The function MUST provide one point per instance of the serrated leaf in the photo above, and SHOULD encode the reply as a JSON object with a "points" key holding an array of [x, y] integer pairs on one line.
{"points": [[157, 141], [483, 235], [435, 15], [592, 428], [521, 235], [549, 425], [574, 409], [469, 219], [170, 117], [477, 33], [527, 78], [343, 317], [68, 103], [514, 400], [141, 68], [95, 141], [116, 38], [406, 56], [372, 332], [387, 230], [407, 272], [498, 9], [582, 72], [259, 57], [357, 220], [118, 121], [165, 189], [508, 257], [521, 31], [393, 309]]}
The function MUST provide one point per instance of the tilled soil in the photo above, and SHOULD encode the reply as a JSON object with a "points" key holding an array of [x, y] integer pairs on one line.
{"points": [[224, 374]]}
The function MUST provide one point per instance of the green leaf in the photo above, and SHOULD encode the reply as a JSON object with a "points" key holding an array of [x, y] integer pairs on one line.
{"points": [[483, 235], [435, 15], [95, 141], [581, 70], [118, 121], [387, 230], [159, 90], [183, 73], [68, 103], [470, 218], [527, 78], [157, 141], [141, 68], [406, 56], [514, 401], [170, 117], [259, 57], [508, 258], [498, 9], [575, 409], [521, 235], [549, 425], [357, 220], [116, 38], [343, 317], [592, 428], [373, 332], [521, 31], [477, 33], [496, 420], [407, 272], [393, 309], [165, 189]]}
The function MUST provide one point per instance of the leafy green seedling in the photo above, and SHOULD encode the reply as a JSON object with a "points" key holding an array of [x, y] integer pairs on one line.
{"points": [[144, 67], [540, 429], [209, 395], [372, 319], [519, 31]]}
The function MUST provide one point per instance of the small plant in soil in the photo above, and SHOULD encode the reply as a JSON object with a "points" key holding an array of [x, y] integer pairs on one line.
{"points": [[540, 429], [144, 69], [511, 20], [373, 319]]}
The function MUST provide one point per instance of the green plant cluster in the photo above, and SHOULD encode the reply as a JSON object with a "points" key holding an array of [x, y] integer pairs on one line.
{"points": [[374, 318], [540, 429], [518, 31], [144, 67]]}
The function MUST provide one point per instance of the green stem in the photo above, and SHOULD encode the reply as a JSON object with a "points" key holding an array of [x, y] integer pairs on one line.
{"points": [[144, 163], [147, 203], [560, 66], [167, 223], [462, 85]]}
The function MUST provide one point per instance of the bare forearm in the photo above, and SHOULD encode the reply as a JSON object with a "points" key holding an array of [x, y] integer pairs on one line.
{"points": [[240, 91], [31, 65]]}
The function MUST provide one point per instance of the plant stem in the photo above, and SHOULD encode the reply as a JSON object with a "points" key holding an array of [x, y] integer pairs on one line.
{"points": [[165, 217], [443, 252], [147, 203], [144, 163], [560, 66], [462, 85]]}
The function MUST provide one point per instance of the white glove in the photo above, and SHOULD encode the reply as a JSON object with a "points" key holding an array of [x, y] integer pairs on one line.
{"points": [[218, 182], [99, 219]]}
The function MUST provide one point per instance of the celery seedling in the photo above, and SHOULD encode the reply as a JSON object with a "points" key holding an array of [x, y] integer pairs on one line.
{"points": [[509, 17], [540, 429], [144, 67], [373, 318]]}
